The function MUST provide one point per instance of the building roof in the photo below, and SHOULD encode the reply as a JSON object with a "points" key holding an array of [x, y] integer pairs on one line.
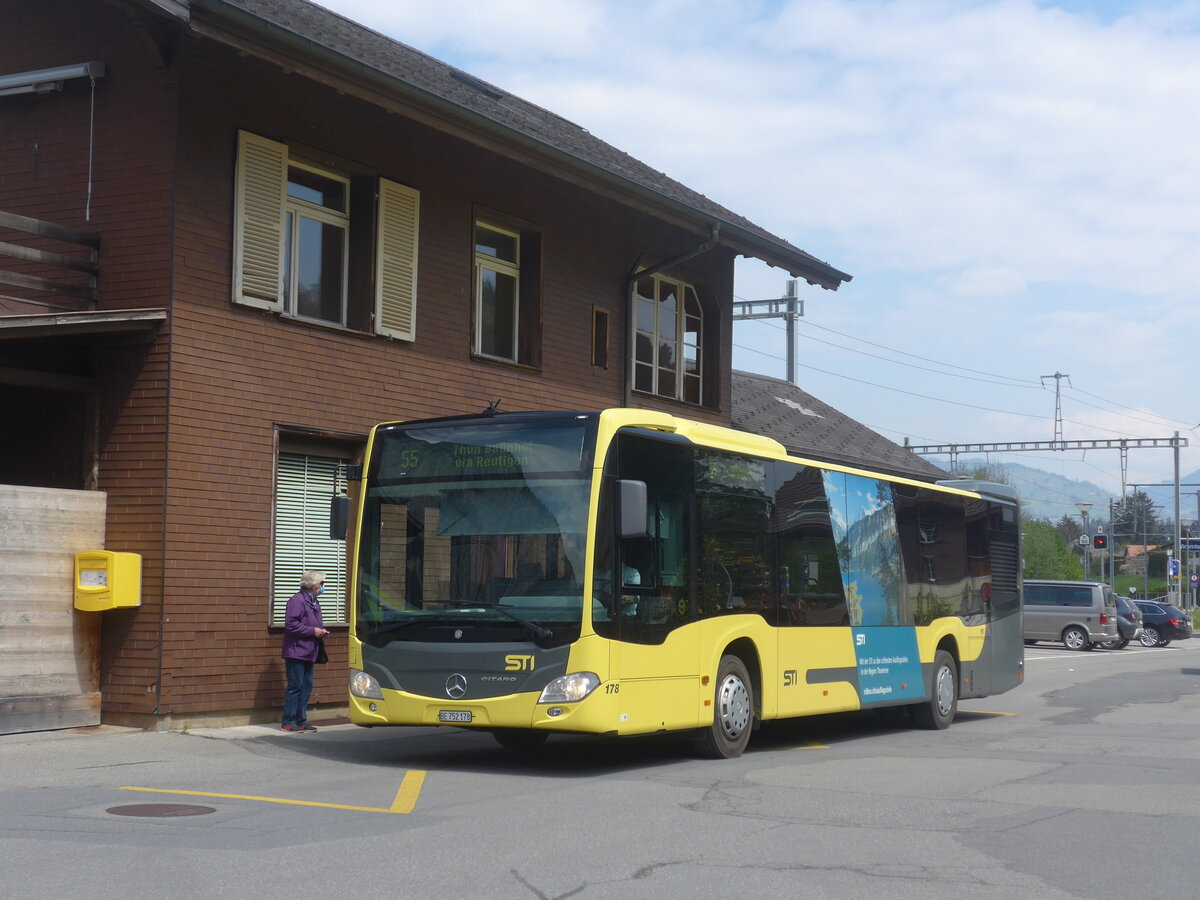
{"points": [[305, 30], [809, 428]]}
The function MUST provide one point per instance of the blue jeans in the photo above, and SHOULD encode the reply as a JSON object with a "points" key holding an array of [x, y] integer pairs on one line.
{"points": [[299, 686]]}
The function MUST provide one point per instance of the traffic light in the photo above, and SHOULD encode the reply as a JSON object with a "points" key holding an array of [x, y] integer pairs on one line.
{"points": [[1100, 542]]}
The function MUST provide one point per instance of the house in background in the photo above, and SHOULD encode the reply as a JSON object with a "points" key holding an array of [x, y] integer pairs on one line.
{"points": [[234, 234]]}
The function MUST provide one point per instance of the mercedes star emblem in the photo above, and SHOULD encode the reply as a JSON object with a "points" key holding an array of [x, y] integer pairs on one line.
{"points": [[456, 686]]}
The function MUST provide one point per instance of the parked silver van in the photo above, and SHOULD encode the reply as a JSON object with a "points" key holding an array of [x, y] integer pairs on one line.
{"points": [[1081, 614]]}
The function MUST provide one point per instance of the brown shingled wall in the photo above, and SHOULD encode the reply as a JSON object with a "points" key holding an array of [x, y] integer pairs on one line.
{"points": [[241, 375], [189, 423]]}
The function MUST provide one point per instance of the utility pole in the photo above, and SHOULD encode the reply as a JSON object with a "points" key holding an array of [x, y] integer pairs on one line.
{"points": [[1176, 443], [1084, 509], [1058, 377], [789, 307], [1112, 544], [1176, 595]]}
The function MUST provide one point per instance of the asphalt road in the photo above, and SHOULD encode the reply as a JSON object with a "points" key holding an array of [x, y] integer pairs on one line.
{"points": [[1084, 782]]}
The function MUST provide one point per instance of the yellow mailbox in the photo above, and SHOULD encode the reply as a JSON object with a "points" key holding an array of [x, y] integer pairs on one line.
{"points": [[107, 580]]}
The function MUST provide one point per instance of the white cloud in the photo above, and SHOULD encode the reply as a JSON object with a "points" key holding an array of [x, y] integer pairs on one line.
{"points": [[984, 282], [1013, 184], [924, 134]]}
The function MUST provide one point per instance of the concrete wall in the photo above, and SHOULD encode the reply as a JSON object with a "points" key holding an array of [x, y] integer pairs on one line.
{"points": [[49, 652]]}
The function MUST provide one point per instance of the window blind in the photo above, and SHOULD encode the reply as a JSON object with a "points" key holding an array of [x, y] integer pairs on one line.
{"points": [[304, 485]]}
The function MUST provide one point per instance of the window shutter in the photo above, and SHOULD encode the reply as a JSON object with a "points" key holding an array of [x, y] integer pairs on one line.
{"points": [[396, 261], [304, 485], [258, 222]]}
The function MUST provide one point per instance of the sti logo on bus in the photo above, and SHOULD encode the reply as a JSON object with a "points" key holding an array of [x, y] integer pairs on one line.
{"points": [[790, 677], [516, 662], [860, 640]]}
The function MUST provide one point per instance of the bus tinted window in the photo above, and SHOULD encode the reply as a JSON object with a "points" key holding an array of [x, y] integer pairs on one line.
{"points": [[810, 586], [734, 571]]}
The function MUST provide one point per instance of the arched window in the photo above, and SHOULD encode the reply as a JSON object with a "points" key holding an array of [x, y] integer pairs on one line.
{"points": [[668, 358]]}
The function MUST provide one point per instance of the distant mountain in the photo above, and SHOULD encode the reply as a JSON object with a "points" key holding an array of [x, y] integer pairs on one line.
{"points": [[1045, 495]]}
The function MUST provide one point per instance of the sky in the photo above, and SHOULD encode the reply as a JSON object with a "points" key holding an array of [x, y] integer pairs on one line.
{"points": [[1014, 186]]}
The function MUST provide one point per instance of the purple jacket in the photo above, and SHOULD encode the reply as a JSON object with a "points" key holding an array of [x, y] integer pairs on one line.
{"points": [[302, 617]]}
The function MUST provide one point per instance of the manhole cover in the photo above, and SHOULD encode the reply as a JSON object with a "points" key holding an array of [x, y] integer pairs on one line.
{"points": [[161, 810]]}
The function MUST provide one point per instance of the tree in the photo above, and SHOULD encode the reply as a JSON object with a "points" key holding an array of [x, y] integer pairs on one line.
{"points": [[992, 472], [1070, 530], [1137, 517], [1046, 553]]}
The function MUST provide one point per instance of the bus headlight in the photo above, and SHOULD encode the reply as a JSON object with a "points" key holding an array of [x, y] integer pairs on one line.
{"points": [[570, 688], [363, 685]]}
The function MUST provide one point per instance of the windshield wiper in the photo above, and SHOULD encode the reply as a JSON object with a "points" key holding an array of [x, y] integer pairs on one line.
{"points": [[384, 630], [539, 631]]}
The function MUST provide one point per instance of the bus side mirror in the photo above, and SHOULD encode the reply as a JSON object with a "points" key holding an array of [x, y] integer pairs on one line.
{"points": [[631, 509], [339, 517]]}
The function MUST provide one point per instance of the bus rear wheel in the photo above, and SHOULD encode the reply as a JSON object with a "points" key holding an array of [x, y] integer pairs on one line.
{"points": [[733, 711], [938, 711]]}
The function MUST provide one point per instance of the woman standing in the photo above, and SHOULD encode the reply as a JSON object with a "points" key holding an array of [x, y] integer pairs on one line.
{"points": [[303, 628]]}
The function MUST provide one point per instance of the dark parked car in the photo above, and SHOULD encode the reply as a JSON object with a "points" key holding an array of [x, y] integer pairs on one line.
{"points": [[1129, 624], [1163, 623]]}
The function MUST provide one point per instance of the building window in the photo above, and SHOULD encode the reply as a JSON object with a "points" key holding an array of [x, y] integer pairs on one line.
{"points": [[497, 291], [317, 224], [508, 310], [303, 486], [323, 246], [669, 324]]}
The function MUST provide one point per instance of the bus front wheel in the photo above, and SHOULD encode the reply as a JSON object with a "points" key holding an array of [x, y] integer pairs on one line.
{"points": [[938, 711], [733, 711]]}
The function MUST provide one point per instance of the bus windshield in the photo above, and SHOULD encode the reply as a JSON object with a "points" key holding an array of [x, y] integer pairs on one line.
{"points": [[475, 532]]}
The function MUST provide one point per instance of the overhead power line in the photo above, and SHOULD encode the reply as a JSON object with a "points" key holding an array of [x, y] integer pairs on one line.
{"points": [[1005, 412], [1024, 382], [1006, 380]]}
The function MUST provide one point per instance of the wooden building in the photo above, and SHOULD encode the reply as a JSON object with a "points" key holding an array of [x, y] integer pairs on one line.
{"points": [[236, 233]]}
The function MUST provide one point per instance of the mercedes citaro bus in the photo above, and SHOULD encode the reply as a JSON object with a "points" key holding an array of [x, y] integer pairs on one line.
{"points": [[630, 572]]}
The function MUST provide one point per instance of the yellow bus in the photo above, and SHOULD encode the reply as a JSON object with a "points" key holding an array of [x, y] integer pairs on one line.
{"points": [[630, 572]]}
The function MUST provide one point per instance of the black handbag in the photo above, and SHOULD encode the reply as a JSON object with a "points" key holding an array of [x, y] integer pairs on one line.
{"points": [[322, 656]]}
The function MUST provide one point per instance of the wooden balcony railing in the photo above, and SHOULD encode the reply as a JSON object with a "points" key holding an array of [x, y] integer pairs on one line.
{"points": [[39, 281]]}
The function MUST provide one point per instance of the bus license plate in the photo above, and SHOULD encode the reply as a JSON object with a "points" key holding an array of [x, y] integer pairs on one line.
{"points": [[454, 715]]}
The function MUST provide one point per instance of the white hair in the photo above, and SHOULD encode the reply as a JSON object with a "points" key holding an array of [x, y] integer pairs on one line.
{"points": [[311, 579]]}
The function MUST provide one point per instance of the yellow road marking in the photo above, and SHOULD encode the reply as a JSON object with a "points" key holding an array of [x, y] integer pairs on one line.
{"points": [[984, 712], [807, 745], [410, 788], [406, 797]]}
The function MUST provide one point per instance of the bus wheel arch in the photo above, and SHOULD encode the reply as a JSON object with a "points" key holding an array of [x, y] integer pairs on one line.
{"points": [[747, 652], [938, 711]]}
